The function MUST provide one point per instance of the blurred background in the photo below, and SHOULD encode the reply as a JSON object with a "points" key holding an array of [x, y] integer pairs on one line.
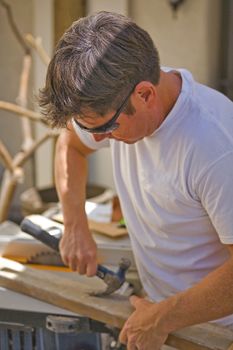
{"points": [[192, 34]]}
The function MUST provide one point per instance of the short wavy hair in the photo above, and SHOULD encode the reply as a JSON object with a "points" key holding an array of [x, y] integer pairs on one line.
{"points": [[95, 64]]}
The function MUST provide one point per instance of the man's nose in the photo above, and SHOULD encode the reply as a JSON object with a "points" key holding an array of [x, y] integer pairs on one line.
{"points": [[100, 137]]}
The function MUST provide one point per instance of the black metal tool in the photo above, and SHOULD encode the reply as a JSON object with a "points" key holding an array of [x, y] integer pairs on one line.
{"points": [[113, 280]]}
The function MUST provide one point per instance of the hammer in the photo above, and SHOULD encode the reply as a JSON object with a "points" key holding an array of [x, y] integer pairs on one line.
{"points": [[113, 280]]}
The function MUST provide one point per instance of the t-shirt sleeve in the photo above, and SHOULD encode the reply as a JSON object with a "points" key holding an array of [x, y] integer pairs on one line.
{"points": [[88, 139], [215, 189]]}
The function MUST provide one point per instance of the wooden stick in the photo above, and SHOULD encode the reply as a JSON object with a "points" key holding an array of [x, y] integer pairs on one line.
{"points": [[9, 183], [21, 111], [21, 157], [22, 102], [14, 173], [36, 43], [14, 27], [11, 179], [6, 157]]}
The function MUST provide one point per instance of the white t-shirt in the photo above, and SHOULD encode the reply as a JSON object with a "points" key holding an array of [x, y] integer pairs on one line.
{"points": [[176, 191]]}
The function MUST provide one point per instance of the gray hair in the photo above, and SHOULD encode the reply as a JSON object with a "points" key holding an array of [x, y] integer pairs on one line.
{"points": [[96, 63]]}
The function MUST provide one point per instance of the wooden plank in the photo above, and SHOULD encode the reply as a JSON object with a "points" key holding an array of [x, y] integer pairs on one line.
{"points": [[113, 310], [110, 229], [64, 292], [202, 337]]}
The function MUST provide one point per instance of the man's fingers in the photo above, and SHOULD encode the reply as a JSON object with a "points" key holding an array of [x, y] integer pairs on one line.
{"points": [[131, 344], [91, 269], [123, 335], [71, 262], [81, 268], [65, 260], [134, 300]]}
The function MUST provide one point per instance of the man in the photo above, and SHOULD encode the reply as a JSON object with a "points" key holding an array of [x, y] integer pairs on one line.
{"points": [[171, 141]]}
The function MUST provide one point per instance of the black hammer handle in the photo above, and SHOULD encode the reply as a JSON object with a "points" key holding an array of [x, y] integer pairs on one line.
{"points": [[41, 235]]}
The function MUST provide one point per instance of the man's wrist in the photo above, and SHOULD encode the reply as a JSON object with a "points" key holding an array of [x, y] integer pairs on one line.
{"points": [[166, 317], [74, 215]]}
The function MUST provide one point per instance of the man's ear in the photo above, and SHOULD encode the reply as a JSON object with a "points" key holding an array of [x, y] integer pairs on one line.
{"points": [[145, 92]]}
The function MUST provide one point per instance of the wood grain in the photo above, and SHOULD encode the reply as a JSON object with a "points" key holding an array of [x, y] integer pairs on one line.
{"points": [[64, 292], [74, 295]]}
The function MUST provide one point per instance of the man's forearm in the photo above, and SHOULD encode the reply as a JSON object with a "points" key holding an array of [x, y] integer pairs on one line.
{"points": [[77, 246], [70, 177], [210, 299]]}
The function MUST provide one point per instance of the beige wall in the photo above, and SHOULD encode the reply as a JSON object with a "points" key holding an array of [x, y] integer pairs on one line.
{"points": [[191, 39], [119, 6], [43, 27], [10, 68]]}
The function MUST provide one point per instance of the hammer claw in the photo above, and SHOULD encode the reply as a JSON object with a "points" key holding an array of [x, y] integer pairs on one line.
{"points": [[114, 280]]}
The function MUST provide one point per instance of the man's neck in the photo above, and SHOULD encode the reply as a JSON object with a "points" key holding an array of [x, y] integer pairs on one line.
{"points": [[169, 88]]}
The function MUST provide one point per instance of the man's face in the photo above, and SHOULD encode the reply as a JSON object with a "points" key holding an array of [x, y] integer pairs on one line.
{"points": [[128, 128]]}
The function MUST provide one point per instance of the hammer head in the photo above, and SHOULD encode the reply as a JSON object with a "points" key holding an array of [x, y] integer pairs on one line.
{"points": [[115, 280]]}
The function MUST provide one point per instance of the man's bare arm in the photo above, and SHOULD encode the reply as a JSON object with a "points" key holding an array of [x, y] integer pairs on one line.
{"points": [[78, 249], [210, 299]]}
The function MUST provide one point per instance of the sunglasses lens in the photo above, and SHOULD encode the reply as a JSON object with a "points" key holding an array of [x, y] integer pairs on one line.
{"points": [[105, 130]]}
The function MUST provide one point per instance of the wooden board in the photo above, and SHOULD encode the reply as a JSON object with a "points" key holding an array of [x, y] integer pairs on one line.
{"points": [[110, 229], [113, 310], [64, 292]]}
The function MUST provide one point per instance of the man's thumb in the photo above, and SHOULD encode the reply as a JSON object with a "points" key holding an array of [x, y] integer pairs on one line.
{"points": [[135, 300]]}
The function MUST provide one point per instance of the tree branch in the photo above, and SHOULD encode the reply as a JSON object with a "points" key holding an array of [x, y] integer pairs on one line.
{"points": [[21, 111], [22, 102], [36, 44], [6, 157], [14, 27], [21, 157]]}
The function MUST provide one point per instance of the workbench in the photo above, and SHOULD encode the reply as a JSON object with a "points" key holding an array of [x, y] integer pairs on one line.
{"points": [[31, 321], [33, 324], [83, 320]]}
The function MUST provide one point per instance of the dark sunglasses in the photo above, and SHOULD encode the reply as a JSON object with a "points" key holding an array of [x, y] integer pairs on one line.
{"points": [[111, 124]]}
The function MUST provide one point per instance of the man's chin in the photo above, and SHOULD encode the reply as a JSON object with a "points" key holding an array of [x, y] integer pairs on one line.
{"points": [[130, 142]]}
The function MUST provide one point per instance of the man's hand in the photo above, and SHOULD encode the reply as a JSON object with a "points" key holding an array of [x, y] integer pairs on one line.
{"points": [[142, 331], [78, 251]]}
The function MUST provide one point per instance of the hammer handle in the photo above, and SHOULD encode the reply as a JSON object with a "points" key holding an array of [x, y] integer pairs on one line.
{"points": [[45, 237], [41, 235]]}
